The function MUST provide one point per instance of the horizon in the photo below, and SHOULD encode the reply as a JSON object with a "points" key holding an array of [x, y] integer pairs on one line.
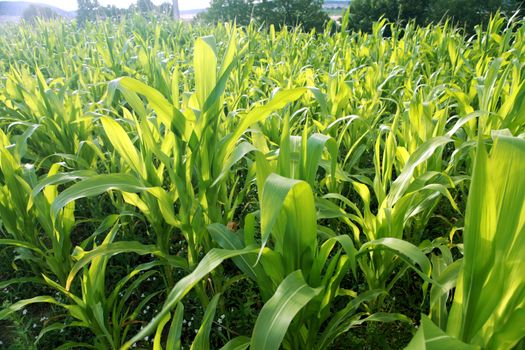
{"points": [[71, 5]]}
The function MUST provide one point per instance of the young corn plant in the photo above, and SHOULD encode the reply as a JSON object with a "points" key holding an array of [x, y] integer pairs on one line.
{"points": [[295, 262], [413, 195], [44, 243], [299, 279], [53, 114], [172, 151], [109, 315], [188, 150], [489, 294]]}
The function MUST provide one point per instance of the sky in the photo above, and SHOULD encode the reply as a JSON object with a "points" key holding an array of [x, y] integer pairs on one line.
{"points": [[71, 5]]}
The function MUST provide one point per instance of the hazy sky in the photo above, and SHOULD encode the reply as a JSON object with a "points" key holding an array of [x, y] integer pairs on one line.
{"points": [[72, 4]]}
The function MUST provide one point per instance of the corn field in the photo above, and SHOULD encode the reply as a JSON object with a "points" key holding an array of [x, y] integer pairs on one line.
{"points": [[167, 185]]}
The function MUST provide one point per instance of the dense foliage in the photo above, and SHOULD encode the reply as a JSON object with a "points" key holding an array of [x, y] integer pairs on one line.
{"points": [[307, 13], [466, 13], [91, 10], [167, 185], [86, 9]]}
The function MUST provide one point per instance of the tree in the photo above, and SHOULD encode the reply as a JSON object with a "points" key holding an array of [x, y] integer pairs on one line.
{"points": [[111, 11], [467, 13], [364, 12], [307, 13], [229, 11], [87, 9], [166, 8], [145, 5], [413, 10]]}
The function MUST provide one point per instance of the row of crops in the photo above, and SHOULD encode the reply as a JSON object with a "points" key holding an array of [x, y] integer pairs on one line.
{"points": [[170, 186]]}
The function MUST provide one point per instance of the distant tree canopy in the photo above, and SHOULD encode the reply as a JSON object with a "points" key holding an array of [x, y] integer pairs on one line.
{"points": [[229, 10], [145, 5], [466, 13], [91, 9], [87, 9], [308, 13], [471, 12], [34, 11]]}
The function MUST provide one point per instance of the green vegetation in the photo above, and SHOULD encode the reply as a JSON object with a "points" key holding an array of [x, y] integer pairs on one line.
{"points": [[308, 13], [167, 185], [466, 13]]}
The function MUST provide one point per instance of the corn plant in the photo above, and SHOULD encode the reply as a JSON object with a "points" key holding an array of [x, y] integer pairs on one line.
{"points": [[489, 288], [300, 285], [106, 314], [43, 242]]}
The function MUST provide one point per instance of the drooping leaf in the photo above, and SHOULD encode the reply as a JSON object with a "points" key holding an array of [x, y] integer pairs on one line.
{"points": [[94, 186], [111, 249]]}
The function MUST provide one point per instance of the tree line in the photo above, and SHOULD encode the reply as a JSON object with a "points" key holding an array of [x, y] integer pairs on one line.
{"points": [[310, 13], [465, 13]]}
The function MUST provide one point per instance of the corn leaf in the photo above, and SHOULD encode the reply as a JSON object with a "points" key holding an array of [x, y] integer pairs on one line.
{"points": [[94, 186], [213, 259], [239, 343], [278, 312], [431, 337], [202, 339], [489, 301]]}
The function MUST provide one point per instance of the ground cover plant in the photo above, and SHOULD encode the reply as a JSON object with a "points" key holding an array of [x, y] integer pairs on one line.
{"points": [[168, 185]]}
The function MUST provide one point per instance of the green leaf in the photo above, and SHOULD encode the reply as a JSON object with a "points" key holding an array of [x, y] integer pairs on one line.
{"points": [[174, 341], [94, 186], [205, 66], [4, 284], [21, 244], [74, 345], [258, 114], [123, 145], [246, 262], [228, 240], [239, 343], [111, 249], [214, 258], [445, 282], [166, 112], [423, 152], [288, 213], [202, 339], [19, 305], [315, 146], [62, 178], [344, 319], [407, 251], [276, 315], [58, 326], [489, 300], [431, 337], [158, 334], [240, 152]]}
